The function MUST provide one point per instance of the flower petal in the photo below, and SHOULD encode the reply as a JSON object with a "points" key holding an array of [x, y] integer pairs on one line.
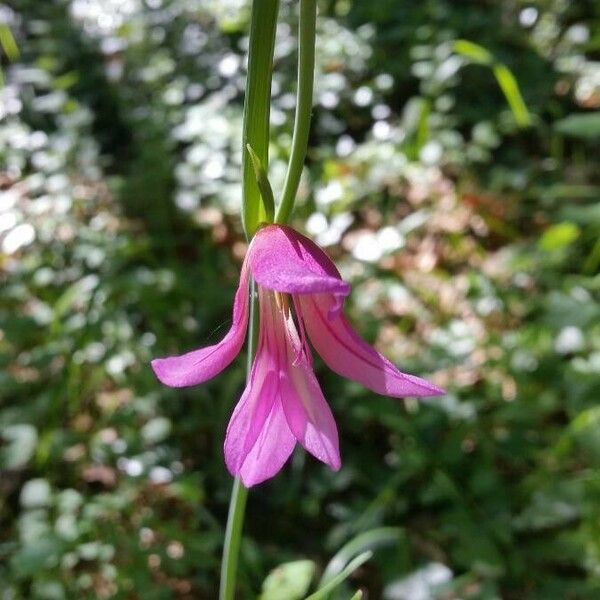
{"points": [[306, 409], [271, 450], [248, 418], [255, 405], [200, 365], [348, 354], [281, 259], [258, 440], [309, 416]]}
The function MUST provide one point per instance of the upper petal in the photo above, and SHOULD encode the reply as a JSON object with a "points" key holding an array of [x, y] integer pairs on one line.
{"points": [[200, 365], [346, 353], [282, 259]]}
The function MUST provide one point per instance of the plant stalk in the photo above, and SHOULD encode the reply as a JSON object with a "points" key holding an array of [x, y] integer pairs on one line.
{"points": [[256, 135], [304, 101], [239, 493], [257, 108]]}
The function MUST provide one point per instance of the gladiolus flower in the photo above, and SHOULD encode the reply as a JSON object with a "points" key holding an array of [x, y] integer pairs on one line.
{"points": [[301, 296]]}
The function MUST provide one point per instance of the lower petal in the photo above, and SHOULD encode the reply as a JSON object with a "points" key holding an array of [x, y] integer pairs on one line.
{"points": [[271, 450], [309, 415], [306, 409], [348, 354], [249, 418]]}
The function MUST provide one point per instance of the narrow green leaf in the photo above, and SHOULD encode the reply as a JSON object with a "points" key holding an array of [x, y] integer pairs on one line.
{"points": [[369, 540], [504, 76], [473, 51], [510, 88], [8, 43], [322, 592], [357, 596], [266, 191]]}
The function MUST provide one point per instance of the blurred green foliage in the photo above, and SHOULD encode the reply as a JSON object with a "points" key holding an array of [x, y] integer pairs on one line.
{"points": [[472, 242]]}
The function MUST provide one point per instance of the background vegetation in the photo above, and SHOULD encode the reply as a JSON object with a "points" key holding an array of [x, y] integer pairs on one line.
{"points": [[463, 208]]}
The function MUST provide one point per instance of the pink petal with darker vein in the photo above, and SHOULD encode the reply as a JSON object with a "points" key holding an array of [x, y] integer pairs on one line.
{"points": [[306, 409], [309, 416], [200, 365], [281, 259], [346, 353], [249, 418], [271, 450]]}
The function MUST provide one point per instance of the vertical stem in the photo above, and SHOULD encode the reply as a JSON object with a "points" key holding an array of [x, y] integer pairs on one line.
{"points": [[306, 76], [257, 107], [256, 134], [233, 537], [239, 493]]}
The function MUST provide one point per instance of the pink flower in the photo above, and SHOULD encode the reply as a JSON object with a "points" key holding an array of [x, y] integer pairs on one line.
{"points": [[301, 295]]}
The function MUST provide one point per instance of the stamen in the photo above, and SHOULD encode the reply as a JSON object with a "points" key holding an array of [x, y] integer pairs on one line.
{"points": [[292, 326], [283, 303], [304, 350]]}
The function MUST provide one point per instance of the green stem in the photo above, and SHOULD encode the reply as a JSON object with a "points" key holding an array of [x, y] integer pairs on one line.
{"points": [[257, 107], [306, 75], [256, 135], [233, 537], [239, 493]]}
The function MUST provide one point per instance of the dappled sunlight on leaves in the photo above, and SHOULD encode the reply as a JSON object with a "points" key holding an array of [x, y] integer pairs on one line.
{"points": [[471, 245]]}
